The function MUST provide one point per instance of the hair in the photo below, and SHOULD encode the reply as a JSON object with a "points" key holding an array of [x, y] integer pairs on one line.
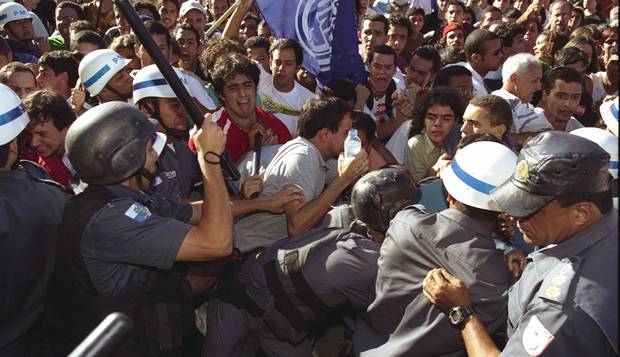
{"points": [[607, 32], [429, 53], [474, 43], [456, 3], [123, 41], [512, 13], [61, 62], [144, 4], [88, 37], [228, 67], [400, 20], [498, 108], [10, 68], [155, 27], [602, 201], [575, 41], [251, 16], [518, 64], [381, 49], [565, 74], [471, 12], [489, 9], [257, 42], [476, 137], [451, 55], [569, 55], [321, 112], [5, 49], [44, 105], [581, 13], [445, 75], [341, 88], [507, 33], [443, 96], [414, 10], [363, 121], [287, 43], [82, 25], [375, 16], [176, 3], [215, 49], [71, 5], [570, 6], [555, 41], [190, 28]]}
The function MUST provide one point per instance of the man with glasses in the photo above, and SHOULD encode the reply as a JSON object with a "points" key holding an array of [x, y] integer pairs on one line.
{"points": [[566, 301], [67, 12]]}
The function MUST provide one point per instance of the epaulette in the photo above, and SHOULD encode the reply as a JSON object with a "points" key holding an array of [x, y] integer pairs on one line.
{"points": [[554, 288]]}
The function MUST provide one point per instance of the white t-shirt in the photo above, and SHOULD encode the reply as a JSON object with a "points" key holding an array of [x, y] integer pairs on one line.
{"points": [[284, 105], [598, 89], [398, 142], [571, 125], [524, 117]]}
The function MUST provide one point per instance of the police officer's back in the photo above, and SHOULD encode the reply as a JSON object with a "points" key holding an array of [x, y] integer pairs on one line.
{"points": [[30, 211], [117, 246]]}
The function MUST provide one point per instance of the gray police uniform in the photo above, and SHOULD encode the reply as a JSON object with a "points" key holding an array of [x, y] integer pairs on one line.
{"points": [[401, 321], [178, 170], [341, 273], [30, 211], [566, 302]]}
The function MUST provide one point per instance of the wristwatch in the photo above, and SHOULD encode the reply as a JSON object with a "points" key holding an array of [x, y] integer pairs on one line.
{"points": [[458, 316]]}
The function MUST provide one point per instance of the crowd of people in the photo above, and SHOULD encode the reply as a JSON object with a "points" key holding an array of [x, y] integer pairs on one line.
{"points": [[479, 218]]}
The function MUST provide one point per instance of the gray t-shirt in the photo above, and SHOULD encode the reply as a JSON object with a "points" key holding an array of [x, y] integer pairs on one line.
{"points": [[129, 236], [298, 162]]}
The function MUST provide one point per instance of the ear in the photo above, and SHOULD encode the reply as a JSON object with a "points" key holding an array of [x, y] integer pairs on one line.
{"points": [[584, 212], [512, 79], [65, 77], [323, 134], [476, 57], [501, 130]]}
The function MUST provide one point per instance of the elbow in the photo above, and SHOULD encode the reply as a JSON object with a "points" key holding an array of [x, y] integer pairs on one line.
{"points": [[222, 250], [294, 229]]}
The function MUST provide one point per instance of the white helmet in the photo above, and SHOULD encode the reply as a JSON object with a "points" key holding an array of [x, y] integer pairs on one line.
{"points": [[98, 67], [477, 169], [13, 115], [609, 113], [604, 139], [150, 83], [12, 11]]}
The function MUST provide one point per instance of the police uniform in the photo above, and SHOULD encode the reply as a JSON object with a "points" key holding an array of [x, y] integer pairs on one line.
{"points": [[178, 170], [116, 252], [333, 271], [566, 302], [30, 211], [401, 321]]}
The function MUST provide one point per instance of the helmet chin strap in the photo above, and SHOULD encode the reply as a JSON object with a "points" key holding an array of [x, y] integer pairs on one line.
{"points": [[121, 95], [144, 173], [153, 109]]}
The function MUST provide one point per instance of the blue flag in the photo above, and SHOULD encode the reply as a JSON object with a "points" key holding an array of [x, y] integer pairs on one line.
{"points": [[326, 30]]}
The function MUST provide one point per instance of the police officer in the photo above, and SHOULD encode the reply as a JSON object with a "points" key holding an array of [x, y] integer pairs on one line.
{"points": [[177, 165], [566, 302], [118, 246], [400, 321], [30, 211], [301, 284]]}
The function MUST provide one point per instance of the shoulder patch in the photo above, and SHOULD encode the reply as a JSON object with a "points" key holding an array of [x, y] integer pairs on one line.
{"points": [[138, 212], [557, 283], [536, 337]]}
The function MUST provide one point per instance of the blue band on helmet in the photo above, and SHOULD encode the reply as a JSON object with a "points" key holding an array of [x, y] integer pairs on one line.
{"points": [[613, 165], [90, 81], [12, 114], [151, 83], [614, 110], [469, 180]]}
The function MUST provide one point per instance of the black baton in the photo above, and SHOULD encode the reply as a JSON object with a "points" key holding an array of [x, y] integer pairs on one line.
{"points": [[166, 70], [258, 144]]}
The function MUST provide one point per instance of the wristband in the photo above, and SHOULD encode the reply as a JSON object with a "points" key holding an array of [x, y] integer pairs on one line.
{"points": [[219, 158]]}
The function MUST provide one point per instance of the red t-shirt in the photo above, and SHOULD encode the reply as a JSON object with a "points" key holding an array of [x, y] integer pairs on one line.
{"points": [[52, 164], [237, 139]]}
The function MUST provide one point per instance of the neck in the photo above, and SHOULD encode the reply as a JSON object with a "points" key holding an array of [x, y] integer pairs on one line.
{"points": [[191, 66], [244, 123], [478, 70], [285, 88], [374, 90], [322, 150]]}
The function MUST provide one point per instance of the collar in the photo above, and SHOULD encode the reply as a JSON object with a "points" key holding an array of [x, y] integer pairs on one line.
{"points": [[467, 222], [581, 241], [429, 145]]}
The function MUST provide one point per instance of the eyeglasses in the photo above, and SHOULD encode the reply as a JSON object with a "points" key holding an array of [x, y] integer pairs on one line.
{"points": [[611, 41], [465, 91], [66, 19]]}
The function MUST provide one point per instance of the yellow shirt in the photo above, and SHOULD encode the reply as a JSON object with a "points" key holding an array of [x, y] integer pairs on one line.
{"points": [[420, 156]]}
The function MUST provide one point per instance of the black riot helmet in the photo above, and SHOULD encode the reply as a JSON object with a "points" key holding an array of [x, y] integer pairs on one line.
{"points": [[380, 194], [107, 144]]}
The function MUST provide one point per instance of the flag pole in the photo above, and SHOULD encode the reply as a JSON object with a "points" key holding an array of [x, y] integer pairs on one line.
{"points": [[222, 18]]}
